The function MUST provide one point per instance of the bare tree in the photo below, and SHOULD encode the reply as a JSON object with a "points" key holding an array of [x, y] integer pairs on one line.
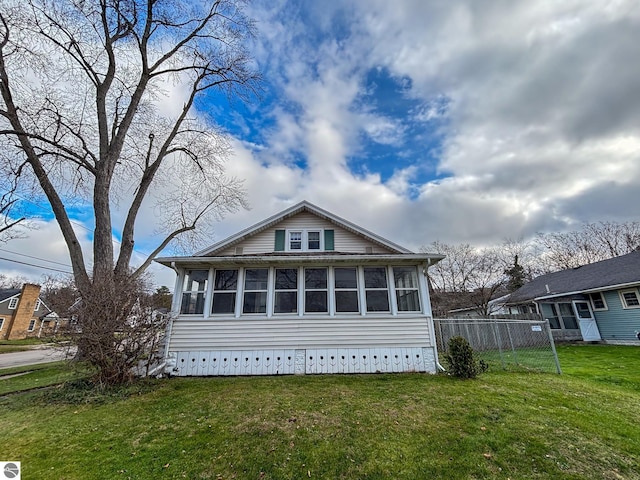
{"points": [[466, 277], [85, 117], [591, 243]]}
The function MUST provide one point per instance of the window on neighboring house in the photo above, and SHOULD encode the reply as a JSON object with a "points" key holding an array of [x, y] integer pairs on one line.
{"points": [[346, 289], [406, 282], [597, 301], [1, 323], [568, 317], [315, 290], [255, 290], [194, 291], [37, 305], [295, 240], [551, 313], [286, 291], [630, 298], [375, 288], [32, 325], [225, 285], [13, 303]]}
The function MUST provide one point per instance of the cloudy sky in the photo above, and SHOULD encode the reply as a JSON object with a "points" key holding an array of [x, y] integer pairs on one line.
{"points": [[431, 120]]}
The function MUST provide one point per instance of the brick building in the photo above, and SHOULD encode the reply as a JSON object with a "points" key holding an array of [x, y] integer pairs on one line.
{"points": [[23, 314]]}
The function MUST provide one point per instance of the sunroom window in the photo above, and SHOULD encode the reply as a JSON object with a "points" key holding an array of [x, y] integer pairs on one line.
{"points": [[286, 291], [194, 290], [255, 290], [375, 287], [225, 285], [406, 282], [315, 290], [346, 289]]}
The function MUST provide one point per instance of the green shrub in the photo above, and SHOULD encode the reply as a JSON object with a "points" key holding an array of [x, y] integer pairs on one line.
{"points": [[462, 361]]}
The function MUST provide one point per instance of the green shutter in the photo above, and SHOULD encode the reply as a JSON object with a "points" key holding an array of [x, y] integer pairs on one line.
{"points": [[328, 240], [279, 241]]}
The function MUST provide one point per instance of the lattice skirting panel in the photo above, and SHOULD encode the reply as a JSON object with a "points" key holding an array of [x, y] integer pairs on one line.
{"points": [[301, 361]]}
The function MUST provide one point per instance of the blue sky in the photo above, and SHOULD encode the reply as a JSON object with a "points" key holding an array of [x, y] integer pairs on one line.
{"points": [[458, 121]]}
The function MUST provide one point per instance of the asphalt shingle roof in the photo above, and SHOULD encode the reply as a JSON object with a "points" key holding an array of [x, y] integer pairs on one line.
{"points": [[614, 271], [8, 293]]}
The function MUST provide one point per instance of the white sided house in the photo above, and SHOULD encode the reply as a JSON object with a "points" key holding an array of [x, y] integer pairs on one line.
{"points": [[302, 292]]}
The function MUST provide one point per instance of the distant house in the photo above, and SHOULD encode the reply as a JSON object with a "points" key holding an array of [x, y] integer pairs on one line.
{"points": [[301, 292], [23, 314], [598, 301]]}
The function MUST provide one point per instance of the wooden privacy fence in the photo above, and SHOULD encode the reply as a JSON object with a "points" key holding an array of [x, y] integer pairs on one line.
{"points": [[504, 343]]}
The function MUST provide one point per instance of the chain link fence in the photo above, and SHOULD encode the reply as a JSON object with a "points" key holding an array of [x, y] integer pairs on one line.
{"points": [[503, 343]]}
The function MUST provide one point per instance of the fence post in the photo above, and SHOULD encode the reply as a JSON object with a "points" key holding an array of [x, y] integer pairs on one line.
{"points": [[553, 345], [515, 355], [496, 334]]}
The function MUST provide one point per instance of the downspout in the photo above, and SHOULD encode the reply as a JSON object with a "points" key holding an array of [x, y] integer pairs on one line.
{"points": [[425, 272], [169, 327]]}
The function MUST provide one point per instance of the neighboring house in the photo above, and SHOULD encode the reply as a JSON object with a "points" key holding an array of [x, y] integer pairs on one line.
{"points": [[303, 291], [598, 301], [23, 313], [497, 307]]}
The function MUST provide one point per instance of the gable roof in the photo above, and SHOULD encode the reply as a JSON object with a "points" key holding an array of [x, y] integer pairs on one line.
{"points": [[606, 274], [303, 206]]}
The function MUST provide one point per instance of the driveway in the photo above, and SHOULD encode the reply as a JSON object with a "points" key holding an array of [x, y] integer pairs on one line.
{"points": [[31, 357]]}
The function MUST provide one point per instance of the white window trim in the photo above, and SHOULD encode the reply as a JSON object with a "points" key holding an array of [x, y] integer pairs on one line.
{"points": [[1, 322], [32, 325], [623, 300], [37, 305], [604, 300], [305, 239], [13, 303]]}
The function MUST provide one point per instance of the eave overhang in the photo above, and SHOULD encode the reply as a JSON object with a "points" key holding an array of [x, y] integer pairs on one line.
{"points": [[324, 259]]}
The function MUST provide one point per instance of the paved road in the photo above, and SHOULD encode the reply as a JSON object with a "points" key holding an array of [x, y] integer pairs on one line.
{"points": [[31, 357]]}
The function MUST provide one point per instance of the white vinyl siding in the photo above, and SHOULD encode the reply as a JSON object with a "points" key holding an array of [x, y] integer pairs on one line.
{"points": [[344, 241], [344, 331]]}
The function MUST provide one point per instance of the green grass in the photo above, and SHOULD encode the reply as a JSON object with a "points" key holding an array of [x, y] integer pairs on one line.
{"points": [[36, 376], [583, 424], [11, 346]]}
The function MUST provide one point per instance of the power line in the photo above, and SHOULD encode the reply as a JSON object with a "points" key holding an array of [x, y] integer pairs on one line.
{"points": [[34, 265], [36, 258]]}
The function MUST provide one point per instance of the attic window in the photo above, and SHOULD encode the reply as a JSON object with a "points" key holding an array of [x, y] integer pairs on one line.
{"points": [[37, 305], [304, 240], [13, 303]]}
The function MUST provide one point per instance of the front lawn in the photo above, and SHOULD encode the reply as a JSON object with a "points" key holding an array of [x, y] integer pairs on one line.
{"points": [[583, 424]]}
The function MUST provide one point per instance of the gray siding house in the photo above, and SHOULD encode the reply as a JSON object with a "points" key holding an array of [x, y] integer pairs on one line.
{"points": [[595, 302], [302, 292]]}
